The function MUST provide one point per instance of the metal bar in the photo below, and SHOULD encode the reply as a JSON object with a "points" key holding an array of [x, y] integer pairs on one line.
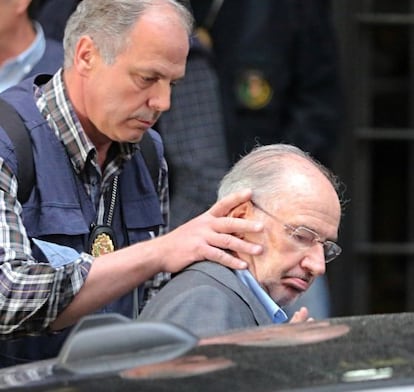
{"points": [[396, 134], [385, 19], [384, 248], [409, 288]]}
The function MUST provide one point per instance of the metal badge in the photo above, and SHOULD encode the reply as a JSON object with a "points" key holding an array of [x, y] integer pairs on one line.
{"points": [[101, 240], [253, 90]]}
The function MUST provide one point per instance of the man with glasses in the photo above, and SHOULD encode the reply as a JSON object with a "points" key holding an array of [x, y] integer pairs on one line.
{"points": [[297, 199]]}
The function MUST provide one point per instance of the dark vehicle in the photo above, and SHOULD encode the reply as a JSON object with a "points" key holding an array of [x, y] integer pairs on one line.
{"points": [[110, 353]]}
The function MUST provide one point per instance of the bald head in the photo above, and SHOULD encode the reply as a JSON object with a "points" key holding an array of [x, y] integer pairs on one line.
{"points": [[275, 170]]}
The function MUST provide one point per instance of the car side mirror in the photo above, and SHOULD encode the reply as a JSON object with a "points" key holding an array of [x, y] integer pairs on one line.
{"points": [[104, 343]]}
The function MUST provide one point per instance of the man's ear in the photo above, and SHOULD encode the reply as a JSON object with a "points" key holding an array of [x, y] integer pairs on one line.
{"points": [[243, 210], [85, 54]]}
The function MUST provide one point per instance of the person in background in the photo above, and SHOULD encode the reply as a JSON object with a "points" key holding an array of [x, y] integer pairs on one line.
{"points": [[84, 240], [24, 48], [53, 15], [297, 200], [278, 70], [194, 137]]}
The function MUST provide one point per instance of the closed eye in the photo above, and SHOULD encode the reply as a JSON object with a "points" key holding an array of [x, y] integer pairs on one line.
{"points": [[149, 79], [303, 236]]}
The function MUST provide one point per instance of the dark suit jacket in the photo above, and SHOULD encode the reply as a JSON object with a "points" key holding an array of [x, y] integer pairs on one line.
{"points": [[207, 299], [291, 44], [194, 138]]}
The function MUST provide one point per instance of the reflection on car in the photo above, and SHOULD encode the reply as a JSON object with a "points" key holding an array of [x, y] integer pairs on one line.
{"points": [[112, 353]]}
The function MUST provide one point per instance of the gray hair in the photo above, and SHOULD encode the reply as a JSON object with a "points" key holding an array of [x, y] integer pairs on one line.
{"points": [[108, 22], [264, 169]]}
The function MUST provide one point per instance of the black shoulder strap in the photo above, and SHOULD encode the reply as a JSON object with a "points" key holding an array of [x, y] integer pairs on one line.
{"points": [[149, 153], [14, 126]]}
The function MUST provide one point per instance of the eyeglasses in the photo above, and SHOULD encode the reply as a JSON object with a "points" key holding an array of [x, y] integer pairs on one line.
{"points": [[305, 237]]}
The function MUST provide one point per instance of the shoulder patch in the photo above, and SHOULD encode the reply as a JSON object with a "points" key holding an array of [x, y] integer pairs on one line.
{"points": [[253, 90]]}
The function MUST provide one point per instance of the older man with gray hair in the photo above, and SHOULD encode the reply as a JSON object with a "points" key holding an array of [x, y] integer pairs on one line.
{"points": [[297, 200]]}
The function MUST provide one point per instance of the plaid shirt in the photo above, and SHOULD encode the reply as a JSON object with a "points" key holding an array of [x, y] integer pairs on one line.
{"points": [[32, 294]]}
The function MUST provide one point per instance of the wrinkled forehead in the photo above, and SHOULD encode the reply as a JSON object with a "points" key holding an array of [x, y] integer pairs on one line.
{"points": [[305, 188]]}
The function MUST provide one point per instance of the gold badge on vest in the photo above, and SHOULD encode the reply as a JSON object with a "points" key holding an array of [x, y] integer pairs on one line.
{"points": [[253, 90], [101, 240]]}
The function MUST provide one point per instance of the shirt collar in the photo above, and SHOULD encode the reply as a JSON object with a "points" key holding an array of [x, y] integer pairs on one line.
{"points": [[275, 312], [56, 107], [31, 56]]}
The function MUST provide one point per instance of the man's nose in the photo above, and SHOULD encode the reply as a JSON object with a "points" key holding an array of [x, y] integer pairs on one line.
{"points": [[314, 260], [160, 100]]}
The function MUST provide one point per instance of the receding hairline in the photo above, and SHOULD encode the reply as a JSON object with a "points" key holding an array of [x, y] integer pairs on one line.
{"points": [[263, 170], [109, 23], [300, 174]]}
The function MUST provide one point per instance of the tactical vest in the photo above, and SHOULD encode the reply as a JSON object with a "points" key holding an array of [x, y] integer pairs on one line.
{"points": [[60, 211]]}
